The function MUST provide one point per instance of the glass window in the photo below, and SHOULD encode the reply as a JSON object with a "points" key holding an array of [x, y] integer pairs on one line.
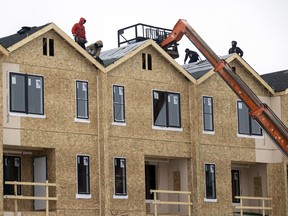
{"points": [[12, 172], [83, 174], [166, 109], [210, 181], [246, 124], [208, 113], [120, 176], [26, 93], [118, 104], [82, 99]]}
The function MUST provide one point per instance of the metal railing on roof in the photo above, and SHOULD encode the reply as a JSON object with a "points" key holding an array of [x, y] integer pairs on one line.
{"points": [[140, 32]]}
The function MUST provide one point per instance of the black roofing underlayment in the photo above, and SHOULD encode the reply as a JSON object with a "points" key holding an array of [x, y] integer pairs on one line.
{"points": [[20, 35], [277, 80]]}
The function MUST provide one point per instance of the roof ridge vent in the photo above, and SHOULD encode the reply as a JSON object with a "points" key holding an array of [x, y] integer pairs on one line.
{"points": [[23, 30]]}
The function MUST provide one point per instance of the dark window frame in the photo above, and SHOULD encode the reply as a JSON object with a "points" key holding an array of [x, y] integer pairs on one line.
{"points": [[251, 122], [120, 177], [210, 181], [26, 82], [161, 103], [83, 174], [118, 105], [207, 114], [84, 99]]}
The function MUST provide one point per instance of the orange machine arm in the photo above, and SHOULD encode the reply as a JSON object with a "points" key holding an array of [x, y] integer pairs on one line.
{"points": [[273, 126]]}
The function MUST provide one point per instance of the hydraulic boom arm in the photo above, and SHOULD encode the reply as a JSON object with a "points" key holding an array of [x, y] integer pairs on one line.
{"points": [[273, 126]]}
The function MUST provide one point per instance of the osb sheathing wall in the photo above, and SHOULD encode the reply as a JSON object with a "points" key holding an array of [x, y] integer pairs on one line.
{"points": [[137, 139], [64, 138], [59, 131], [1, 132], [223, 147], [283, 168]]}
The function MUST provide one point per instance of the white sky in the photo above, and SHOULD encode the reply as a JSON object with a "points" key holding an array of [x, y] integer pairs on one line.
{"points": [[259, 26]]}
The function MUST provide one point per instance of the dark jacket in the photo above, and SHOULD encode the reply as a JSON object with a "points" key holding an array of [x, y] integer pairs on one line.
{"points": [[236, 50], [194, 57]]}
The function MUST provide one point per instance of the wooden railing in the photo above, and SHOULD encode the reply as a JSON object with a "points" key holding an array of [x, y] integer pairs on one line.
{"points": [[263, 208], [17, 197], [158, 202]]}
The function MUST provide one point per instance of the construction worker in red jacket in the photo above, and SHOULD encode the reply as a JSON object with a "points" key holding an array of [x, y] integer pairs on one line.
{"points": [[78, 31]]}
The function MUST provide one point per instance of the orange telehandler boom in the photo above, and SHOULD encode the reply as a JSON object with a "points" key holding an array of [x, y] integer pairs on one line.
{"points": [[265, 117]]}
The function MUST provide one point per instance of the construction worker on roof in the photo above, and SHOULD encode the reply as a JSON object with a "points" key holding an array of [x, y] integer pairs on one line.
{"points": [[79, 33], [95, 49], [194, 57], [235, 49]]}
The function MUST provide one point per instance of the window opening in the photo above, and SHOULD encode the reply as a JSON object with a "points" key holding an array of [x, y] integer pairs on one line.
{"points": [[83, 174], [26, 94], [45, 49], [210, 182], [146, 61], [120, 176], [48, 47], [235, 177], [246, 124], [150, 180], [166, 109], [149, 61], [82, 99], [118, 104], [208, 113], [12, 172], [51, 47]]}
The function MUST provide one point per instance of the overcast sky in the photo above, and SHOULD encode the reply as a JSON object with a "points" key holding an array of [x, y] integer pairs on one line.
{"points": [[259, 26]]}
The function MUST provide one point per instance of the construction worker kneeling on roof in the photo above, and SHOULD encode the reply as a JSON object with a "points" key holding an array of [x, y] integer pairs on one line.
{"points": [[95, 50]]}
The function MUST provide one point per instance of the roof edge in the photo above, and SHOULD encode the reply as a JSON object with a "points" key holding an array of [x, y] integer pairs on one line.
{"points": [[252, 71], [4, 51], [30, 38], [281, 93], [165, 55], [53, 26], [173, 62], [76, 46], [235, 56]]}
